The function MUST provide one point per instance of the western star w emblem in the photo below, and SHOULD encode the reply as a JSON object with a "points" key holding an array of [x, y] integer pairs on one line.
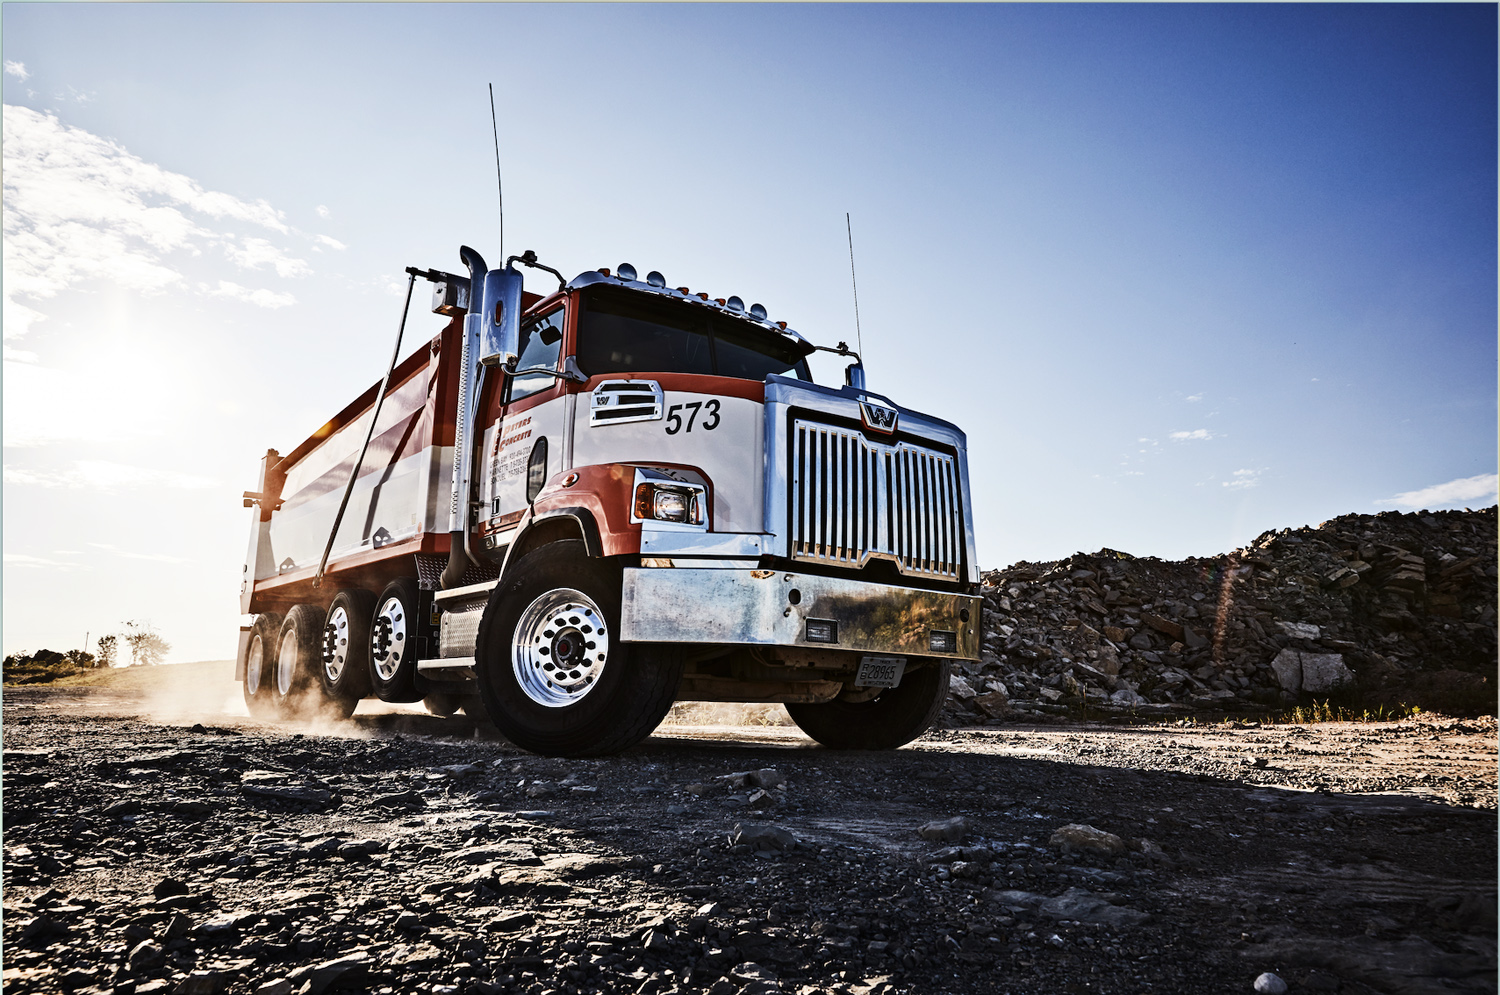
{"points": [[877, 418]]}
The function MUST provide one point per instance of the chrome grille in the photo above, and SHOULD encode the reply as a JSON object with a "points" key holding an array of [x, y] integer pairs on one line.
{"points": [[853, 499]]}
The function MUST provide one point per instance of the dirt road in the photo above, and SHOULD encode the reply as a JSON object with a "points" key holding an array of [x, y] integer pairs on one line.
{"points": [[197, 851]]}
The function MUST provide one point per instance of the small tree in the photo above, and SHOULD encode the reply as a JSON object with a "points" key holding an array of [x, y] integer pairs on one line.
{"points": [[106, 651], [146, 647], [82, 659]]}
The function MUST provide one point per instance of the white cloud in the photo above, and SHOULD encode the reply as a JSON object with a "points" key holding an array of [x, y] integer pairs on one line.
{"points": [[79, 207], [1197, 433], [258, 252], [104, 476], [1243, 479], [1480, 489], [129, 555], [17, 69], [260, 298], [1194, 399], [323, 210], [26, 560], [332, 243]]}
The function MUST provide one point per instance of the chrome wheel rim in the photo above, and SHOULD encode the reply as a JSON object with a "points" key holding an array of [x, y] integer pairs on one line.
{"points": [[255, 659], [336, 644], [286, 663], [388, 638], [559, 648]]}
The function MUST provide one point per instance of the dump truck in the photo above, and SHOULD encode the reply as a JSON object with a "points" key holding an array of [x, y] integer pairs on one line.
{"points": [[569, 510]]}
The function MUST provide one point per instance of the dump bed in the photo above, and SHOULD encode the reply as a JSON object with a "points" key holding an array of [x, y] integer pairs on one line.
{"points": [[400, 503]]}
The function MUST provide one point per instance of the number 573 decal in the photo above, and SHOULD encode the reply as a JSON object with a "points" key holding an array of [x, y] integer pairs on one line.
{"points": [[710, 411]]}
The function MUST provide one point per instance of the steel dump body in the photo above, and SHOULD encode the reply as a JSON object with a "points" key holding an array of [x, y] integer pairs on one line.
{"points": [[399, 504]]}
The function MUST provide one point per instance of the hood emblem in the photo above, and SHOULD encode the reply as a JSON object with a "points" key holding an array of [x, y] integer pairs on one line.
{"points": [[877, 418]]}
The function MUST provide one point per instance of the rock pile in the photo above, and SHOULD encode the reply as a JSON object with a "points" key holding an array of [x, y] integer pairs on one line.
{"points": [[1379, 610]]}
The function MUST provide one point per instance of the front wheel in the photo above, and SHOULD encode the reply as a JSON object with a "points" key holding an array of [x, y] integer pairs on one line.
{"points": [[553, 674], [893, 718]]}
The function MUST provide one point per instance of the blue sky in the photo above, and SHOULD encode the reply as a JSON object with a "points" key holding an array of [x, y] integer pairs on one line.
{"points": [[1183, 272]]}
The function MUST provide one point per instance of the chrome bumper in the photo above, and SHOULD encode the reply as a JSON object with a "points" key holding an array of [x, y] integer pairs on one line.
{"points": [[772, 608]]}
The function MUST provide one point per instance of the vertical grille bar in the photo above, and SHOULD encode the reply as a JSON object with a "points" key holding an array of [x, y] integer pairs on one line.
{"points": [[853, 498]]}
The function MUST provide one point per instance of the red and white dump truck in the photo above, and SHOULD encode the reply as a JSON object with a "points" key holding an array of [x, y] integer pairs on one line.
{"points": [[572, 510]]}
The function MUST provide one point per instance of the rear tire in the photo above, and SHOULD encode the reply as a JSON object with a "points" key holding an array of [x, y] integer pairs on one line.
{"points": [[553, 675], [345, 662], [260, 666], [299, 656], [894, 718], [395, 642]]}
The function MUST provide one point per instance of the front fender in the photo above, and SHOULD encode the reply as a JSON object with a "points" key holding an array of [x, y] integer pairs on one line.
{"points": [[592, 502]]}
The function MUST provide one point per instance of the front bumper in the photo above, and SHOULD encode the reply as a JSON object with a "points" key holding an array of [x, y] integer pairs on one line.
{"points": [[773, 608]]}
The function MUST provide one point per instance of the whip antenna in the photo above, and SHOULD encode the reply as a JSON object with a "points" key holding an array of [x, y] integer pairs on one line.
{"points": [[499, 186], [858, 340]]}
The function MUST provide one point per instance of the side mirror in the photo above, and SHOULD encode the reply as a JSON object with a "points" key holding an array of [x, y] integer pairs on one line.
{"points": [[500, 333]]}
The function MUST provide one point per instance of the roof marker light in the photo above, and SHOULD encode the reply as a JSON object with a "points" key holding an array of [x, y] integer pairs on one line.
{"points": [[702, 297], [655, 279], [604, 270], [735, 304], [627, 272], [759, 311], [684, 291], [720, 301]]}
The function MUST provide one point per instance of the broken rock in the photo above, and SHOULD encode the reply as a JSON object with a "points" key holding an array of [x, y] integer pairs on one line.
{"points": [[945, 830], [1082, 837]]}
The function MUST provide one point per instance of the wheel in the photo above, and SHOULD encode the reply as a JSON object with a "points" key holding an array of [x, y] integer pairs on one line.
{"points": [[553, 675], [345, 669], [260, 658], [893, 718], [299, 655], [443, 704], [394, 645]]}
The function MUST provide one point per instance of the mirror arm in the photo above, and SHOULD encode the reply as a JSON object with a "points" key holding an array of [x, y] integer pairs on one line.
{"points": [[570, 371], [528, 258]]}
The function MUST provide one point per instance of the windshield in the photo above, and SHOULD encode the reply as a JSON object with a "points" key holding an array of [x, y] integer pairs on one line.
{"points": [[625, 332]]}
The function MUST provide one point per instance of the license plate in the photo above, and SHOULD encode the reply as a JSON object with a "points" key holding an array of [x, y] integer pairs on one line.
{"points": [[879, 671]]}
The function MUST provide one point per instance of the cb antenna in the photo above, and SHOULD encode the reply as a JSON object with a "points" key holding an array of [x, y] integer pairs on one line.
{"points": [[499, 186], [858, 340]]}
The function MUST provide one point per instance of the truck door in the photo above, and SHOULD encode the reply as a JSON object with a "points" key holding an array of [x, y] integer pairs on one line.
{"points": [[523, 445]]}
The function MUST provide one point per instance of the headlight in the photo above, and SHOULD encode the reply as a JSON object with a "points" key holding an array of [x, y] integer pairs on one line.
{"points": [[668, 503]]}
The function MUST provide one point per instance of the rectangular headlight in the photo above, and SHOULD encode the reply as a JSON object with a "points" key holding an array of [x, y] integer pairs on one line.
{"points": [[939, 641], [667, 504]]}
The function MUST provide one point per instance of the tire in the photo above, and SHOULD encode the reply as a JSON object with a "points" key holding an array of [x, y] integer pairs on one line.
{"points": [[299, 655], [894, 718], [260, 665], [394, 642], [443, 704], [345, 658], [558, 604]]}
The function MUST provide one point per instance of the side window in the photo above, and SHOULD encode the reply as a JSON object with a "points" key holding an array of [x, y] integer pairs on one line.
{"points": [[541, 341]]}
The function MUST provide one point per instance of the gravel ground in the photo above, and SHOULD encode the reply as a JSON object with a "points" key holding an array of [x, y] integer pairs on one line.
{"points": [[198, 852]]}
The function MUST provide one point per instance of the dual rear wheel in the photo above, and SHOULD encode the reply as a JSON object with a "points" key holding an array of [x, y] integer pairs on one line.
{"points": [[313, 663]]}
